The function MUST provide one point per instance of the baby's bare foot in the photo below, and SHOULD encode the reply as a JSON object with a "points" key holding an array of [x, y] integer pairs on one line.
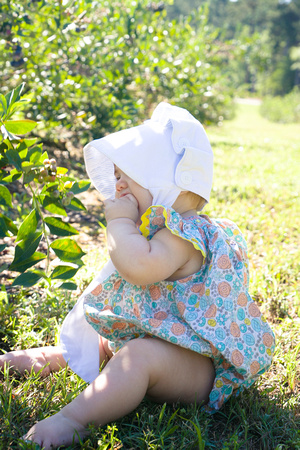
{"points": [[55, 431], [44, 359]]}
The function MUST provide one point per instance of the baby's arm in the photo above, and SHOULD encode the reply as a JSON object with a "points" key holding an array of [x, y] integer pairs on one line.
{"points": [[45, 359], [137, 260]]}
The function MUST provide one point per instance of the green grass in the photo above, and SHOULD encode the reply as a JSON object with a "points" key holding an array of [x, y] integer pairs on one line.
{"points": [[256, 184]]}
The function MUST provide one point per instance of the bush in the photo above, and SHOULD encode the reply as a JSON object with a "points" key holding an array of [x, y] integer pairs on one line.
{"points": [[282, 109], [98, 67], [48, 189]]}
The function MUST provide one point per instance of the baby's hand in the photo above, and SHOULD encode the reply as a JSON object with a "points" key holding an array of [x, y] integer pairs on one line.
{"points": [[124, 207], [55, 431]]}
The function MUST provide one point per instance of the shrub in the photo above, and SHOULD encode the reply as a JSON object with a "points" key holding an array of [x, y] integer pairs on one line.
{"points": [[282, 109], [48, 188], [98, 67]]}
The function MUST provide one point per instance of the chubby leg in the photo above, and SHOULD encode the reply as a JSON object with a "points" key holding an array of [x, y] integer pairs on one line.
{"points": [[163, 371], [49, 359], [105, 354]]}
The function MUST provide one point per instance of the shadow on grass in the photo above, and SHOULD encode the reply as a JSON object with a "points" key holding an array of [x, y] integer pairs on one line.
{"points": [[256, 419]]}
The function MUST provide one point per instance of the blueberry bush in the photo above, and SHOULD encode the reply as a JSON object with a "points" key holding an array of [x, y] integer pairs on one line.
{"points": [[50, 193], [101, 66]]}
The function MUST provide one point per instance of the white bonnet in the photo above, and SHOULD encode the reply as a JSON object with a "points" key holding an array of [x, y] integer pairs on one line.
{"points": [[167, 154]]}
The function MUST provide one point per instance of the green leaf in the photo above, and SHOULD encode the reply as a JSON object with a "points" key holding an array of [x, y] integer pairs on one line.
{"points": [[44, 156], [3, 147], [7, 135], [67, 250], [3, 103], [68, 286], [60, 228], [20, 126], [15, 94], [53, 205], [28, 226], [8, 225], [26, 248], [3, 228], [76, 205], [50, 189], [2, 247], [28, 177], [80, 186], [22, 146], [13, 176], [34, 154], [64, 272], [8, 143], [27, 279], [23, 153], [13, 97], [14, 158], [5, 196], [67, 178], [27, 166], [61, 170], [29, 142], [3, 166], [21, 266]]}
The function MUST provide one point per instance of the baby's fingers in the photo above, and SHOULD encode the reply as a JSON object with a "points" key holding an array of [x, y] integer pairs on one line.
{"points": [[123, 207], [131, 198], [29, 438]]}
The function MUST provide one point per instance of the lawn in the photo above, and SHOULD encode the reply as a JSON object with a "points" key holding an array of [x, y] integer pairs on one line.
{"points": [[256, 184]]}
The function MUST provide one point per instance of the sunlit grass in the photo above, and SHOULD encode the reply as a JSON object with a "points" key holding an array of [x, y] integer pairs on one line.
{"points": [[256, 184]]}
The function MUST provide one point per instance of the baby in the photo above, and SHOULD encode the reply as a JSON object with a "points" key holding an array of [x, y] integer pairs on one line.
{"points": [[170, 315]]}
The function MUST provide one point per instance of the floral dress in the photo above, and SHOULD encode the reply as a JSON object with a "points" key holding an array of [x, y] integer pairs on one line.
{"points": [[209, 312]]}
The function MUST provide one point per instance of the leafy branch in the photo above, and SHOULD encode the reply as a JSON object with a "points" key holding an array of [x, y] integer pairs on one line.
{"points": [[52, 191]]}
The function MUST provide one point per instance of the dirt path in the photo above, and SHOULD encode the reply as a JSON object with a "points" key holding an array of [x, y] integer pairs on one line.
{"points": [[248, 101]]}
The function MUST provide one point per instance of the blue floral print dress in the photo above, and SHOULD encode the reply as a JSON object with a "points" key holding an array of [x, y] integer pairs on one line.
{"points": [[209, 312]]}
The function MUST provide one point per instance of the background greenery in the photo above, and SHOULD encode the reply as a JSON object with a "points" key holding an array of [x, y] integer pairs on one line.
{"points": [[95, 67], [102, 68], [268, 34]]}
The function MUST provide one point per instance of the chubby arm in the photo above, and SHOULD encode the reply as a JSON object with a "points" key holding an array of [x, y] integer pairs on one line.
{"points": [[137, 260]]}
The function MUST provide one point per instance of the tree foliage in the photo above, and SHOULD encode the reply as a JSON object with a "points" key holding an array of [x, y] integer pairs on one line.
{"points": [[268, 35], [98, 67]]}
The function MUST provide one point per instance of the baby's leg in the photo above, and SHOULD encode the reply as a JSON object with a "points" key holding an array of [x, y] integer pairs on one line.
{"points": [[105, 354], [49, 359], [163, 371]]}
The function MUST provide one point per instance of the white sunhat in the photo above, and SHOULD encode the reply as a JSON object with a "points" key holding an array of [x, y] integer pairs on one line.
{"points": [[167, 154]]}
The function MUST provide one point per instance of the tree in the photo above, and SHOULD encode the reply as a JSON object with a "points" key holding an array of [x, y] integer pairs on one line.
{"points": [[267, 31], [101, 67]]}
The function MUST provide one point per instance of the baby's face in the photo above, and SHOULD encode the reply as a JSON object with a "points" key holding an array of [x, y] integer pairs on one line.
{"points": [[125, 185]]}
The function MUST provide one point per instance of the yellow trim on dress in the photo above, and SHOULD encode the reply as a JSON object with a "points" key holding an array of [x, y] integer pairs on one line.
{"points": [[145, 222], [144, 228]]}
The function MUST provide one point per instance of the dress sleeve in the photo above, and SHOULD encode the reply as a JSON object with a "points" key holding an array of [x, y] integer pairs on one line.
{"points": [[158, 217]]}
